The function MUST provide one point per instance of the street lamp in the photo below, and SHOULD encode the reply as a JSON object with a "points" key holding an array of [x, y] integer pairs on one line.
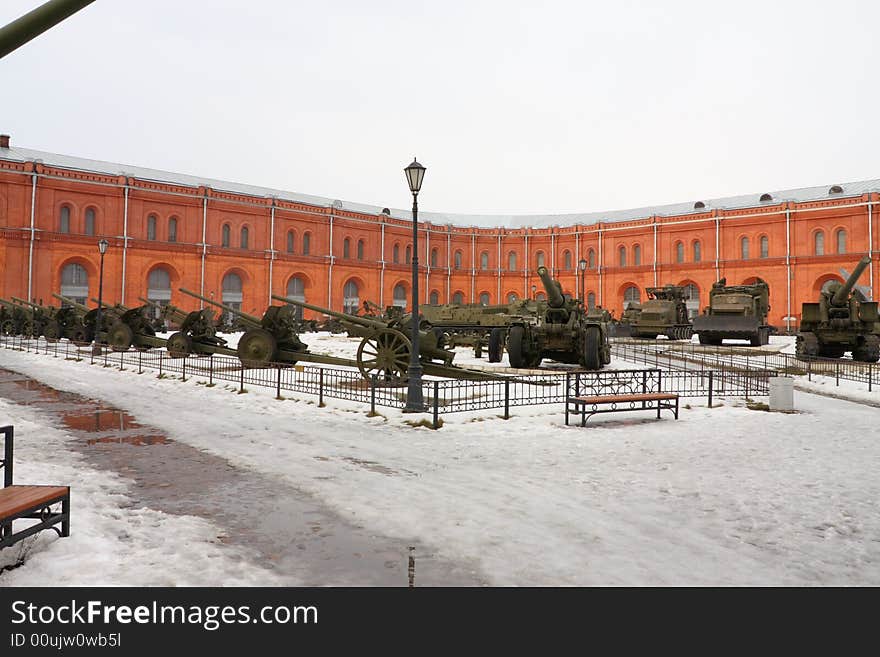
{"points": [[582, 266], [415, 402], [534, 292], [102, 249]]}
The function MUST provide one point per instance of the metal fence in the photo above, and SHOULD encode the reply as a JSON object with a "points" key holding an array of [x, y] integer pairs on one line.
{"points": [[441, 395]]}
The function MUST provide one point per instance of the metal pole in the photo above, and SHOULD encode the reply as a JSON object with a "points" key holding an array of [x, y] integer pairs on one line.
{"points": [[415, 401], [95, 347]]}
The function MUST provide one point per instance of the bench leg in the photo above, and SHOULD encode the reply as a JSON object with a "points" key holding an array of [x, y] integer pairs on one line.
{"points": [[676, 408], [65, 523], [659, 406]]}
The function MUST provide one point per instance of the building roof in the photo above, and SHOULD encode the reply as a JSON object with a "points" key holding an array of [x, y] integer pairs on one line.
{"points": [[464, 220]]}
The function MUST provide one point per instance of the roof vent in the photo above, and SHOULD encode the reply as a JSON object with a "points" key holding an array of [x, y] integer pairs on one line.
{"points": [[835, 189], [765, 197], [386, 211], [4, 141], [699, 205], [337, 204]]}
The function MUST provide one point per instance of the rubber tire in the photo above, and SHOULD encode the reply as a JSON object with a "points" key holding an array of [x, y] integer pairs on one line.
{"points": [[182, 346], [52, 331], [496, 345], [118, 335], [245, 341], [592, 357], [515, 347]]}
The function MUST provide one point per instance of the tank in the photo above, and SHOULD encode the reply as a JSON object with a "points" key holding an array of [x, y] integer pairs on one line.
{"points": [[563, 331], [664, 313], [622, 328], [842, 320], [735, 312]]}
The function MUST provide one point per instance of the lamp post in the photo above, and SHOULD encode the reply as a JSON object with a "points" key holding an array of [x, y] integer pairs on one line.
{"points": [[415, 402], [102, 249], [534, 292], [582, 266]]}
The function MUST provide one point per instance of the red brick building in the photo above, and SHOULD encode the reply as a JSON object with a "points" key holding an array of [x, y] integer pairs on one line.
{"points": [[240, 243]]}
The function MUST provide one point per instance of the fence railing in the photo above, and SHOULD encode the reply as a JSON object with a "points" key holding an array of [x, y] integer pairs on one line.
{"points": [[441, 395]]}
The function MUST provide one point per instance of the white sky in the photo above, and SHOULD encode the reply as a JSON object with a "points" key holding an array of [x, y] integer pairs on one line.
{"points": [[522, 107]]}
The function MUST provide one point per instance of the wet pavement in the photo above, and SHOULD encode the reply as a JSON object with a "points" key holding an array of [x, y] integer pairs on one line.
{"points": [[293, 533]]}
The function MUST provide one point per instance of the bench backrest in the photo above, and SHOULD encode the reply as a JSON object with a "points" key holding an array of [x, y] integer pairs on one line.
{"points": [[6, 463]]}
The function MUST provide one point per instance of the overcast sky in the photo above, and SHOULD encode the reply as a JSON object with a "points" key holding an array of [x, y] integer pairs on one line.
{"points": [[523, 107]]}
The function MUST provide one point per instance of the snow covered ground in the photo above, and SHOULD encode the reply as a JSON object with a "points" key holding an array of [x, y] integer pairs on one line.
{"points": [[724, 496]]}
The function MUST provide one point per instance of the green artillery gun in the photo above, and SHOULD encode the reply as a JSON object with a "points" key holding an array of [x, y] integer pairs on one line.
{"points": [[843, 320], [129, 327], [196, 330], [737, 312], [564, 331], [42, 319], [665, 312], [15, 320], [80, 327]]}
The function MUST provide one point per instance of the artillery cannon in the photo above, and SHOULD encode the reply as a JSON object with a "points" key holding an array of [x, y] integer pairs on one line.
{"points": [[196, 332], [737, 312], [664, 312], [842, 320], [15, 320], [564, 331], [42, 319], [82, 326]]}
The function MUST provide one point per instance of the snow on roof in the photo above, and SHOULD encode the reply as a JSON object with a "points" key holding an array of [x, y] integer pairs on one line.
{"points": [[480, 220]]}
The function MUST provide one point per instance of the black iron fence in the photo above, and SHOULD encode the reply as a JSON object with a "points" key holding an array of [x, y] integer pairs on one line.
{"points": [[441, 395]]}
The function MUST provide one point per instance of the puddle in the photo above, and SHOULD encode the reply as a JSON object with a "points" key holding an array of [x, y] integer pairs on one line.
{"points": [[293, 534]]}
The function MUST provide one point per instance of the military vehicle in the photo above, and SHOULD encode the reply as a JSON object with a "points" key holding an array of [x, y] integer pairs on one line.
{"points": [[664, 313], [622, 328], [42, 319], [563, 331], [72, 316], [843, 320], [15, 320], [735, 312], [196, 334]]}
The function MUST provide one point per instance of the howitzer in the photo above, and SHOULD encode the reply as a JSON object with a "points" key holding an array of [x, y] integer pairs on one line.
{"points": [[43, 319], [196, 332], [72, 316], [16, 321]]}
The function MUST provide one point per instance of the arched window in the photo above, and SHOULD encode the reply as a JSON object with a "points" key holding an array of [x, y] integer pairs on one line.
{"points": [[540, 296], [307, 243], [484, 260], [631, 294], [679, 251], [744, 248], [226, 233], [351, 301], [591, 300], [698, 251], [511, 261], [457, 260], [566, 260], [637, 255], [458, 298], [360, 251], [591, 259], [75, 282], [395, 254], [400, 295], [408, 257], [622, 253], [296, 291], [172, 229], [158, 289], [346, 248], [435, 297], [64, 224], [765, 246], [433, 257], [151, 227], [539, 258], [819, 243], [290, 241], [692, 299], [484, 298], [231, 293], [90, 221], [244, 237], [511, 298], [841, 241]]}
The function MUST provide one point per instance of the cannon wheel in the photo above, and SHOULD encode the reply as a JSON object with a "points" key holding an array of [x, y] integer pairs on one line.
{"points": [[591, 358], [179, 345], [496, 345], [384, 353], [52, 331], [120, 336], [28, 328], [79, 337], [257, 347]]}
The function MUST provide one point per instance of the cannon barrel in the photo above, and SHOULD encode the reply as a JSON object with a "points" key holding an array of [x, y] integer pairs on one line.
{"points": [[353, 319], [27, 303], [73, 303], [250, 319], [118, 306], [172, 312], [840, 297], [554, 295], [35, 22]]}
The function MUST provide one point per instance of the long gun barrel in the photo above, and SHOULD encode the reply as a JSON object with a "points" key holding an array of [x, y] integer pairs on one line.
{"points": [[34, 23], [247, 318], [554, 295], [352, 319], [118, 306], [28, 304], [840, 297], [173, 313], [71, 302]]}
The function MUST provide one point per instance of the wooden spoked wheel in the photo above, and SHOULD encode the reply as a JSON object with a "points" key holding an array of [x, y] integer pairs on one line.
{"points": [[386, 354]]}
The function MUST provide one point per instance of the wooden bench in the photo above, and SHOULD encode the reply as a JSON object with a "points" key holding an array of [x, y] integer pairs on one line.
{"points": [[588, 406], [29, 502]]}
